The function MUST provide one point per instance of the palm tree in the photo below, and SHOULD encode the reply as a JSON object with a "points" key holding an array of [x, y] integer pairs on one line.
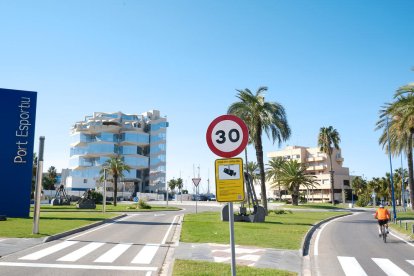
{"points": [[260, 116], [291, 175], [273, 170], [400, 128], [327, 140], [115, 167]]}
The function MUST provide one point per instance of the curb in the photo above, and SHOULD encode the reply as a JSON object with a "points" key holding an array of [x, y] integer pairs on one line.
{"points": [[80, 229], [308, 236]]}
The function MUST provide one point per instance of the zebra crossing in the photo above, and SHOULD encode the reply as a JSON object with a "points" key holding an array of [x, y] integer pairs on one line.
{"points": [[92, 255], [351, 266]]}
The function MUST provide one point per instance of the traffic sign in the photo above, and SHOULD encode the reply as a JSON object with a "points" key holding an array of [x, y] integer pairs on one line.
{"points": [[196, 181], [227, 136], [229, 180]]}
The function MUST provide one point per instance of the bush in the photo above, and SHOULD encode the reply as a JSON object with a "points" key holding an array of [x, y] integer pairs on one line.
{"points": [[282, 212], [142, 204], [363, 200], [97, 197]]}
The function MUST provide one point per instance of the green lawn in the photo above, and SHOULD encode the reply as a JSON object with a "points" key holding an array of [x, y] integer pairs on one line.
{"points": [[50, 223], [285, 231], [327, 206], [408, 217], [190, 268]]}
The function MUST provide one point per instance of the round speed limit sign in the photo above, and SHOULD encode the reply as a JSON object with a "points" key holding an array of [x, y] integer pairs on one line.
{"points": [[227, 136]]}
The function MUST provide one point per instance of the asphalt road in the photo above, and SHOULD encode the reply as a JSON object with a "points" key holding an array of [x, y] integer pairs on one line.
{"points": [[350, 246]]}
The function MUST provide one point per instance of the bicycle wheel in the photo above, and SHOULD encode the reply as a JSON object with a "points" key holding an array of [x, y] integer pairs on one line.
{"points": [[384, 234]]}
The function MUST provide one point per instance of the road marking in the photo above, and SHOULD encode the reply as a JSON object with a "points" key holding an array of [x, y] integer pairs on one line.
{"points": [[389, 267], [113, 253], [351, 267], [81, 252], [411, 261], [168, 231], [316, 247], [47, 251], [100, 227], [159, 215], [146, 254], [96, 267], [2, 240], [148, 273], [410, 244]]}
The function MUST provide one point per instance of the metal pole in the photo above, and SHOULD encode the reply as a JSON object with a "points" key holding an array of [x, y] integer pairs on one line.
{"points": [[39, 176], [166, 188], [392, 182], [196, 197], [232, 246]]}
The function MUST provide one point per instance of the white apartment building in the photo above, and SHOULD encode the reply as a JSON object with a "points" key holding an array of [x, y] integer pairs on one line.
{"points": [[317, 164], [139, 139]]}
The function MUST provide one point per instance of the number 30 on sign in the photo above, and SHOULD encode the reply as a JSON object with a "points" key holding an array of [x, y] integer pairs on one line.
{"points": [[227, 136]]}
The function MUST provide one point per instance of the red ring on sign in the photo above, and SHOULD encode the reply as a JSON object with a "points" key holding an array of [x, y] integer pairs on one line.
{"points": [[245, 133]]}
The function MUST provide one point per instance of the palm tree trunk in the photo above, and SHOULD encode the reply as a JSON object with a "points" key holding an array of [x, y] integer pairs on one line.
{"points": [[115, 188], [332, 179], [410, 168], [259, 156]]}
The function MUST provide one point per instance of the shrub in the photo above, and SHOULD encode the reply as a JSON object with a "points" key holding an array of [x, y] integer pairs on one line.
{"points": [[142, 204], [282, 212], [97, 197]]}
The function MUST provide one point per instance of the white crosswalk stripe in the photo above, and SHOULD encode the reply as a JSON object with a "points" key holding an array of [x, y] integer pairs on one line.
{"points": [[389, 267], [113, 254], [48, 251], [81, 252], [351, 266], [145, 255]]}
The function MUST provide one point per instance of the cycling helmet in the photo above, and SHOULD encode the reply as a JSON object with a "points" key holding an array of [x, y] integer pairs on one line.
{"points": [[381, 206]]}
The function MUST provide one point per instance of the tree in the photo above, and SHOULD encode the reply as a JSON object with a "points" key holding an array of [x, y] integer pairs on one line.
{"points": [[359, 186], [291, 175], [397, 122], [172, 184], [179, 184], [327, 140], [260, 116], [115, 167], [273, 170], [50, 180]]}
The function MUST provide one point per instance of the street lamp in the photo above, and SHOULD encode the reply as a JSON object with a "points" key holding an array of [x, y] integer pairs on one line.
{"points": [[392, 182]]}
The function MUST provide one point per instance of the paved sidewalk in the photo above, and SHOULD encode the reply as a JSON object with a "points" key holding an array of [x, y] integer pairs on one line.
{"points": [[11, 245], [290, 260]]}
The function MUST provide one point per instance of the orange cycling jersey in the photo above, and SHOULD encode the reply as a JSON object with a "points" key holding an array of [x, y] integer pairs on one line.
{"points": [[382, 214]]}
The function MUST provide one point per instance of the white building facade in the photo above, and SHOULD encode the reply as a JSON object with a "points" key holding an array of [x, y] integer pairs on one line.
{"points": [[140, 140]]}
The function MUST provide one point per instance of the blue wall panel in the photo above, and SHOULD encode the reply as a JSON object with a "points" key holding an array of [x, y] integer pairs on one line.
{"points": [[18, 116]]}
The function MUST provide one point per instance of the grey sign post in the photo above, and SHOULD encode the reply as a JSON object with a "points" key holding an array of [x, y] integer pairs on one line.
{"points": [[196, 181], [227, 136], [39, 176]]}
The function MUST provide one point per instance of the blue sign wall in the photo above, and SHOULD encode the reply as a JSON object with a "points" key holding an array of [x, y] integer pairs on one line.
{"points": [[18, 114]]}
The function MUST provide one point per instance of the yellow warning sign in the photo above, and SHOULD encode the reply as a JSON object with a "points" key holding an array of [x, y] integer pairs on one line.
{"points": [[229, 180]]}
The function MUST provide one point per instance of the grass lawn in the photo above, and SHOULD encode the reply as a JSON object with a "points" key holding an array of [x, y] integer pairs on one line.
{"points": [[187, 267], [408, 217], [284, 231], [50, 223], [326, 206]]}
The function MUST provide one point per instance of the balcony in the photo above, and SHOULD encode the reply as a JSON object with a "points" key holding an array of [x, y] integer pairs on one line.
{"points": [[317, 168], [315, 158]]}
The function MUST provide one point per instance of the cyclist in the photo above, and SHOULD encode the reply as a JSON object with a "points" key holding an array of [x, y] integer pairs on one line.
{"points": [[382, 215]]}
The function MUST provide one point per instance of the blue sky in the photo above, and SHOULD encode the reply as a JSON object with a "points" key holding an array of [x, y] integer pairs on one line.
{"points": [[327, 62]]}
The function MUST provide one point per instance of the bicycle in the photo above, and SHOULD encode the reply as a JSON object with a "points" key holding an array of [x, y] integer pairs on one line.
{"points": [[384, 233]]}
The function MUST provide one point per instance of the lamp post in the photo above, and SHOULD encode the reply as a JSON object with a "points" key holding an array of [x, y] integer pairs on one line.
{"points": [[392, 182]]}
